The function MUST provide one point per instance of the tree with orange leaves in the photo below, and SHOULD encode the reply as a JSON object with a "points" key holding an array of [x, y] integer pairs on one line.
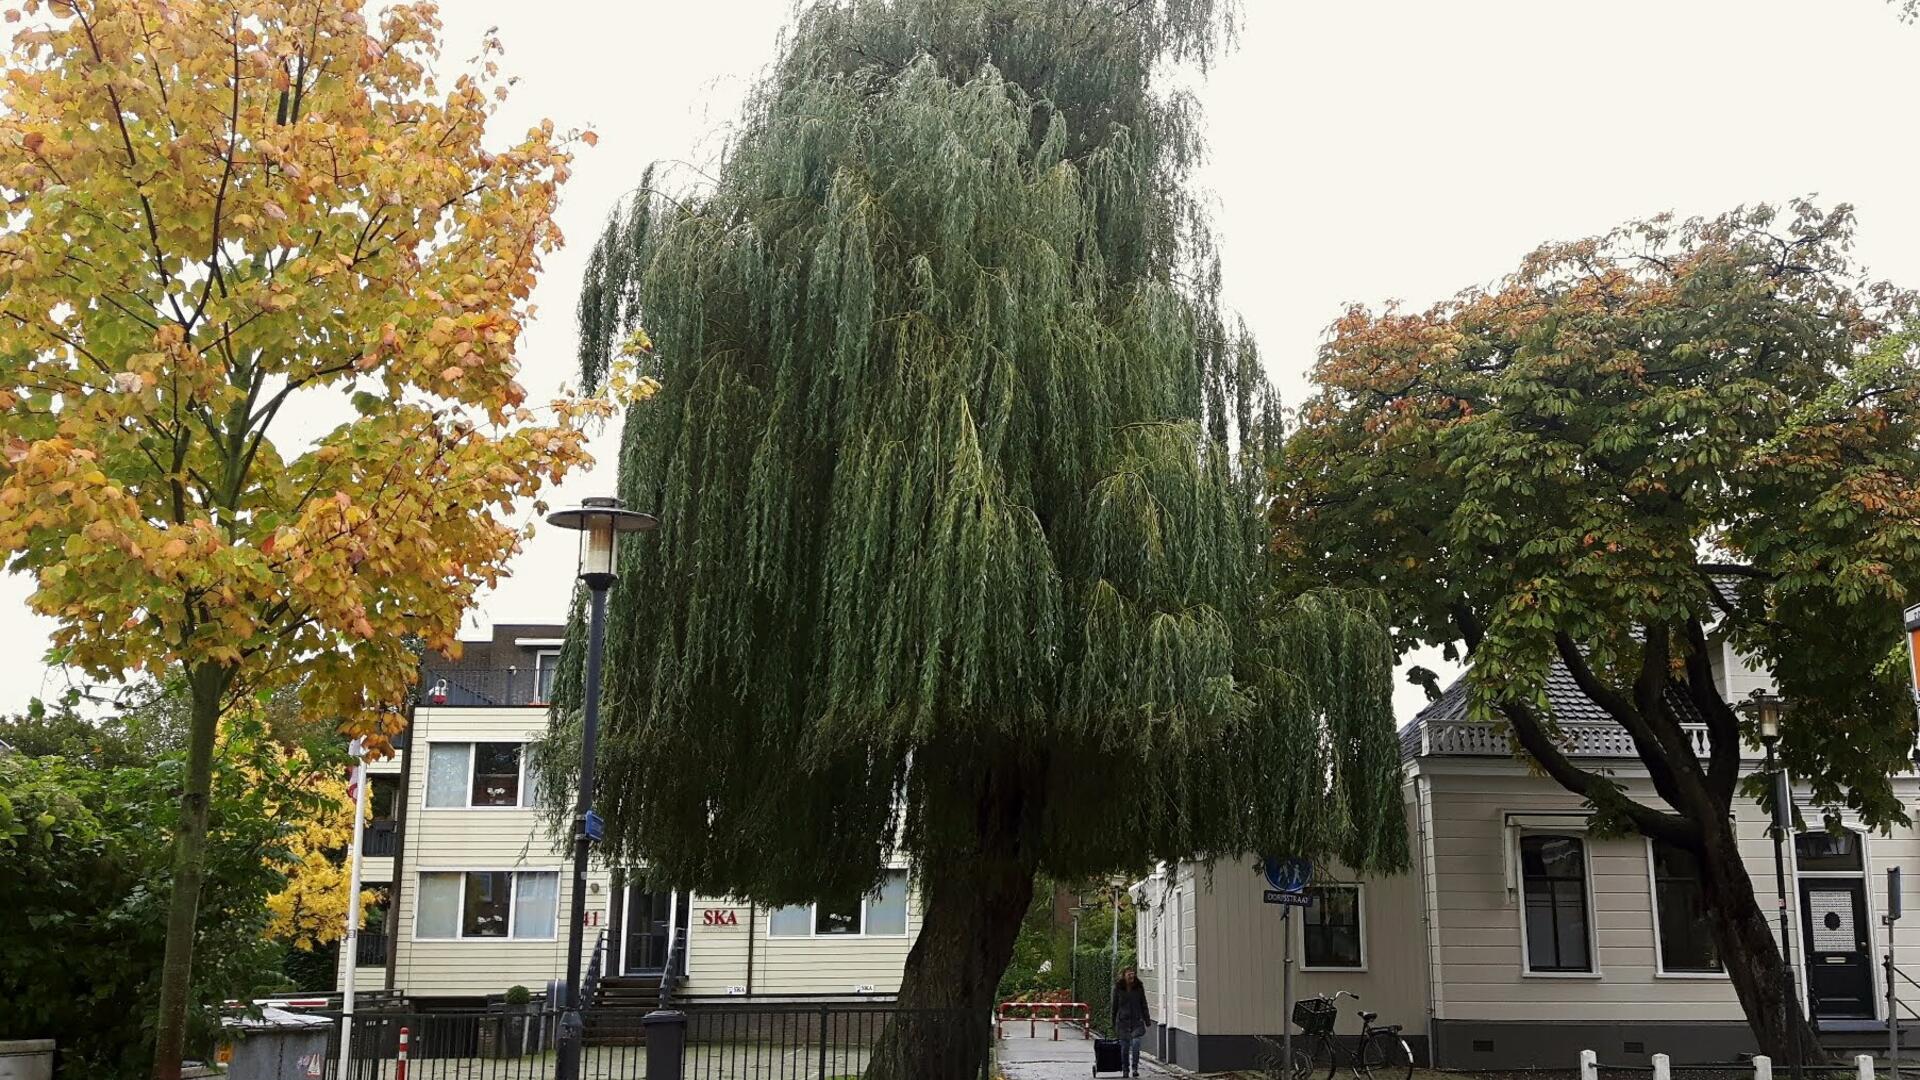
{"points": [[1639, 445], [223, 215]]}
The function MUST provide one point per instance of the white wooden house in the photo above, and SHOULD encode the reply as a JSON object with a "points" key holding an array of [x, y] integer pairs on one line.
{"points": [[1519, 937], [479, 888]]}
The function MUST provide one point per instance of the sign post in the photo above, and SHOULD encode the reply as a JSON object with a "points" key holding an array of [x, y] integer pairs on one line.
{"points": [[1287, 881]]}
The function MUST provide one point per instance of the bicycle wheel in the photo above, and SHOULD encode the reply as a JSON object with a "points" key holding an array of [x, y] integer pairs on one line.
{"points": [[1388, 1057]]}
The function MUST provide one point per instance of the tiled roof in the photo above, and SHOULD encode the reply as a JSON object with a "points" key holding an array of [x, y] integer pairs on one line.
{"points": [[1564, 698]]}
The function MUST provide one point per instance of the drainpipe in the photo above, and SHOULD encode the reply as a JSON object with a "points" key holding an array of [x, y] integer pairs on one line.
{"points": [[400, 843], [752, 910]]}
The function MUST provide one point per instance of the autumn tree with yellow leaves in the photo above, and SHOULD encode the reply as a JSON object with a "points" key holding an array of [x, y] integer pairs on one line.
{"points": [[311, 910], [222, 216]]}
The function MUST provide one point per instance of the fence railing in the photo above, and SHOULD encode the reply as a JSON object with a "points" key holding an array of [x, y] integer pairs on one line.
{"points": [[380, 838], [700, 1042], [370, 947], [458, 686], [514, 1043], [1577, 738]]}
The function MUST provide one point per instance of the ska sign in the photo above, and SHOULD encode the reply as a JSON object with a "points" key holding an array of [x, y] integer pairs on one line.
{"points": [[719, 917]]}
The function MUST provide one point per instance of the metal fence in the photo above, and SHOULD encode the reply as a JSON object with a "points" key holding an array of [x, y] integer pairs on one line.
{"points": [[514, 1044], [461, 686], [716, 1042]]}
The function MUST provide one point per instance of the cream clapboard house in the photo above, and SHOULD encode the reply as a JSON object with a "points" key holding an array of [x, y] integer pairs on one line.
{"points": [[479, 889], [1519, 939]]}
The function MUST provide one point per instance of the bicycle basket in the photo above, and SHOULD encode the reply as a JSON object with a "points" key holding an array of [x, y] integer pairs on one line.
{"points": [[1315, 1016]]}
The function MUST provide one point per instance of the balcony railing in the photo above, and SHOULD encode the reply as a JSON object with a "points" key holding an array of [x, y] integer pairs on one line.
{"points": [[370, 948], [454, 686], [1582, 738], [380, 838]]}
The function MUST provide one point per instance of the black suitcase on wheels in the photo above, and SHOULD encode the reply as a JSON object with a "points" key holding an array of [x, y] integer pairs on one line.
{"points": [[1108, 1057]]}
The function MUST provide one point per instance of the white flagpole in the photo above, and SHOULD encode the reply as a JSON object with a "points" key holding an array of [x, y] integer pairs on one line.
{"points": [[350, 944]]}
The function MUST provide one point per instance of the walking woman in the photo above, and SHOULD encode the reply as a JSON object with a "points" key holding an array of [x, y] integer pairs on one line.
{"points": [[1130, 1019]]}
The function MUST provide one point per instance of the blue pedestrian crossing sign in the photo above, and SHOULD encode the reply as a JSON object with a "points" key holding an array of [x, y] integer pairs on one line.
{"points": [[593, 826], [1287, 881]]}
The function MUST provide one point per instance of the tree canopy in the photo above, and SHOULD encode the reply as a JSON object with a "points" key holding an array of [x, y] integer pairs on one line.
{"points": [[960, 469], [1636, 446], [223, 215], [85, 864]]}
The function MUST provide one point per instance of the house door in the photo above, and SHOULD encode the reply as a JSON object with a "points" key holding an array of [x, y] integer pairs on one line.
{"points": [[1838, 942], [653, 920]]}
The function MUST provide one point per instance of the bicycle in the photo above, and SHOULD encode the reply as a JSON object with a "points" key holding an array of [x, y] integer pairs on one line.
{"points": [[1381, 1054]]}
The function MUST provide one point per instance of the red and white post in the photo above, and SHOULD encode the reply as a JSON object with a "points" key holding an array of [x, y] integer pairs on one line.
{"points": [[400, 1067]]}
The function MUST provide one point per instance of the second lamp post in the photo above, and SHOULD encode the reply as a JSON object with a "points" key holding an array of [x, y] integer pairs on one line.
{"points": [[600, 522], [1766, 710]]}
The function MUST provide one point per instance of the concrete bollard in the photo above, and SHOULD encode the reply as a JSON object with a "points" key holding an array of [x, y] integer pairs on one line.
{"points": [[27, 1059], [1662, 1067], [1589, 1065], [1865, 1064], [1762, 1067]]}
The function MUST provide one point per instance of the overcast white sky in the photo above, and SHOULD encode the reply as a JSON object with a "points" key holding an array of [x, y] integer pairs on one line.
{"points": [[1362, 150]]}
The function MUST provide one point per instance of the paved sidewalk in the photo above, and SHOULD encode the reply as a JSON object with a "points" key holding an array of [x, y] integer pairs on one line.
{"points": [[1041, 1058]]}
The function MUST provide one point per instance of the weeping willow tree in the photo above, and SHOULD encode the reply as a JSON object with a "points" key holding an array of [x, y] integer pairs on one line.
{"points": [[961, 474]]}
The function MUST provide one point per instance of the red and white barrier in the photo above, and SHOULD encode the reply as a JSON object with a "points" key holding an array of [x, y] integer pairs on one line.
{"points": [[1075, 1013], [400, 1068]]}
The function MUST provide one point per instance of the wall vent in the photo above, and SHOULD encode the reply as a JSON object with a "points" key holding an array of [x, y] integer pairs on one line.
{"points": [[1636, 1048], [1483, 1046]]}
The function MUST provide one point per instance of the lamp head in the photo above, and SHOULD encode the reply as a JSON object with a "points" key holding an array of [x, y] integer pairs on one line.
{"points": [[599, 521], [1766, 709]]}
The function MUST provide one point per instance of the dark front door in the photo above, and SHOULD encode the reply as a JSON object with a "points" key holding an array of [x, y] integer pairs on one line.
{"points": [[651, 922], [1838, 941]]}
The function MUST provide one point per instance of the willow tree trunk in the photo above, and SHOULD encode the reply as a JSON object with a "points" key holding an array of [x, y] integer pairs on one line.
{"points": [[208, 685], [972, 905], [1754, 962]]}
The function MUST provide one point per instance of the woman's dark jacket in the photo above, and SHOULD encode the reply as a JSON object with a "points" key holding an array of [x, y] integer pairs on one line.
{"points": [[1130, 1016]]}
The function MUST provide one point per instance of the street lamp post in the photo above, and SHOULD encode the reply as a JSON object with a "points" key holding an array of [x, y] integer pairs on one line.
{"points": [[1073, 954], [599, 522], [1766, 710]]}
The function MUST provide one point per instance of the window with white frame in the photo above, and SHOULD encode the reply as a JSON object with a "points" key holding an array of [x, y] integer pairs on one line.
{"points": [[1553, 873], [467, 774], [545, 663], [1684, 930], [1151, 954], [1331, 935], [478, 904], [881, 913]]}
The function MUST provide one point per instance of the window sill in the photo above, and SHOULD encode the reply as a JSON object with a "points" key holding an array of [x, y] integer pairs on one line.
{"points": [[1560, 975], [1337, 970], [1716, 976]]}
